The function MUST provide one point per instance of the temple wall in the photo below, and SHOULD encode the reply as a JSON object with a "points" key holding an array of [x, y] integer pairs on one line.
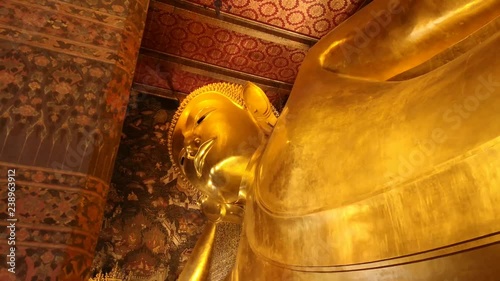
{"points": [[65, 72], [151, 221]]}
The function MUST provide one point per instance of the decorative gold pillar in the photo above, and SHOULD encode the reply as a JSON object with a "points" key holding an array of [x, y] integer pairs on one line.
{"points": [[65, 74]]}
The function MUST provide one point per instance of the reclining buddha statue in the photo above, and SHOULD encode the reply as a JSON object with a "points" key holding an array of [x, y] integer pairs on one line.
{"points": [[384, 164]]}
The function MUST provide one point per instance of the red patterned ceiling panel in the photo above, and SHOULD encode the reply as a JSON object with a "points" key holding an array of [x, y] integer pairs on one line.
{"points": [[190, 37], [309, 17], [163, 74]]}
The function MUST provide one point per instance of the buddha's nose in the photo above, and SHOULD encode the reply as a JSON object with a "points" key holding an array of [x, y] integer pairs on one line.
{"points": [[192, 147]]}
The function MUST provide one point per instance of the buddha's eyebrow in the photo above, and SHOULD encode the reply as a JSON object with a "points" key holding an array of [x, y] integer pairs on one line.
{"points": [[191, 119]]}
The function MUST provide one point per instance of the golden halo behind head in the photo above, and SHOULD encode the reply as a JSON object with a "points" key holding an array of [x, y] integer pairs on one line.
{"points": [[233, 92]]}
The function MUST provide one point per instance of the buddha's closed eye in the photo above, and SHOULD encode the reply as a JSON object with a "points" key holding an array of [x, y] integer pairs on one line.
{"points": [[203, 116], [198, 122], [182, 160]]}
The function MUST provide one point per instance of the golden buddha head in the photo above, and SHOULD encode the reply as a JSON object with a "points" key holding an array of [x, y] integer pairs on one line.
{"points": [[215, 132]]}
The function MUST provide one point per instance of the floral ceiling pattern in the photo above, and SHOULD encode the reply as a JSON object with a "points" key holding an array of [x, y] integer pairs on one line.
{"points": [[262, 41], [194, 39], [309, 17]]}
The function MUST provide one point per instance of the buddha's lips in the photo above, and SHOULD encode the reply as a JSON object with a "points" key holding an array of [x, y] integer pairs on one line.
{"points": [[199, 158]]}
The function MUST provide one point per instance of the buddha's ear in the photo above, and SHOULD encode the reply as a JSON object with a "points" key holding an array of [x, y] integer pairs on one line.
{"points": [[259, 107]]}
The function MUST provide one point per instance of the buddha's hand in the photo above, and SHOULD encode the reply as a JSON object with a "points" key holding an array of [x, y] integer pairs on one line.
{"points": [[218, 211]]}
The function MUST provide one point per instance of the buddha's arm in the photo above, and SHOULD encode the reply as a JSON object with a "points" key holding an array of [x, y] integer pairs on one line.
{"points": [[197, 267], [388, 37]]}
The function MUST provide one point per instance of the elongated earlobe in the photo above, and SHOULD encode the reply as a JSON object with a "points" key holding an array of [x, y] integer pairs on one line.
{"points": [[259, 107]]}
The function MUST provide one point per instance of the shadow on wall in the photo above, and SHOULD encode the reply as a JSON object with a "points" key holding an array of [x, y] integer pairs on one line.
{"points": [[151, 222]]}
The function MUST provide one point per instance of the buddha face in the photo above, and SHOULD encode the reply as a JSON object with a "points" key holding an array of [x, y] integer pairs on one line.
{"points": [[212, 143]]}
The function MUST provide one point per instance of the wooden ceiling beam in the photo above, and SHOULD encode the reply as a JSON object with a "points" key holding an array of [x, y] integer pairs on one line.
{"points": [[157, 91], [243, 25], [215, 71]]}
